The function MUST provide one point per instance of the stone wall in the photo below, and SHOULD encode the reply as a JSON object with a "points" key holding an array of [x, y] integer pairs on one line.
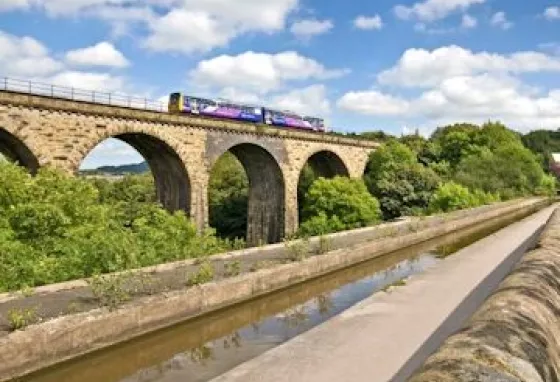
{"points": [[515, 335], [181, 150]]}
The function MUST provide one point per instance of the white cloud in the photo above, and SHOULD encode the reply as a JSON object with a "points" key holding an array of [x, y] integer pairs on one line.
{"points": [[305, 29], [468, 22], [368, 23], [500, 20], [203, 25], [311, 100], [101, 54], [552, 13], [432, 10], [464, 86], [89, 81], [423, 68], [182, 26], [372, 102], [260, 72], [9, 5], [25, 57], [202, 34]]}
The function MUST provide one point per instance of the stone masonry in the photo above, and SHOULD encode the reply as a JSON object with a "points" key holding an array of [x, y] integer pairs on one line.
{"points": [[181, 150]]}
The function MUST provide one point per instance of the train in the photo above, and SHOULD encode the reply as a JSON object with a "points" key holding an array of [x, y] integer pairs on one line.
{"points": [[220, 108]]}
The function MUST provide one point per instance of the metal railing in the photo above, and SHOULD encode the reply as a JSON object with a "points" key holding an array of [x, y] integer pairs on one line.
{"points": [[76, 94]]}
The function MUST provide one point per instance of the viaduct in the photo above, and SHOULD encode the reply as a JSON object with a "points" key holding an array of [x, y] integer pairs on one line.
{"points": [[38, 130]]}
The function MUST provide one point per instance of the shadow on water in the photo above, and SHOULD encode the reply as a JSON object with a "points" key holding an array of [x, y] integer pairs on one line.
{"points": [[205, 347]]}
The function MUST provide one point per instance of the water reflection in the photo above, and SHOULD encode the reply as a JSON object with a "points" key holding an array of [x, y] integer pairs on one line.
{"points": [[203, 348]]}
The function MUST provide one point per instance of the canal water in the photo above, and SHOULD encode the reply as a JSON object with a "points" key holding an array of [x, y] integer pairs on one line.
{"points": [[205, 347]]}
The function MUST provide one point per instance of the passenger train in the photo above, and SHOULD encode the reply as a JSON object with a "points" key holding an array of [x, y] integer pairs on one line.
{"points": [[181, 103]]}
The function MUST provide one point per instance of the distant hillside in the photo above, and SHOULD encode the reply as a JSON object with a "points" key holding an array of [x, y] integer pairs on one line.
{"points": [[136, 168]]}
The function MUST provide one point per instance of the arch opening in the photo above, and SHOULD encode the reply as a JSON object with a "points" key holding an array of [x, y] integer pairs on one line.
{"points": [[322, 164], [255, 196], [14, 150], [139, 154]]}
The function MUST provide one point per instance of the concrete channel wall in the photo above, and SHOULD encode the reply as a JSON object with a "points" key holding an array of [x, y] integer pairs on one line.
{"points": [[515, 335], [66, 337]]}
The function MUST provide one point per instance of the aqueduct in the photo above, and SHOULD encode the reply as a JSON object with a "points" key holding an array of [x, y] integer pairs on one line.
{"points": [[180, 150]]}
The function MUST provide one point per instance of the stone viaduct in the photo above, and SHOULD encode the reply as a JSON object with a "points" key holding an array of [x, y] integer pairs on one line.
{"points": [[181, 149]]}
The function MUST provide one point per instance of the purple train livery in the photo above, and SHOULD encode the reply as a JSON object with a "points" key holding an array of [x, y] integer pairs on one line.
{"points": [[179, 103]]}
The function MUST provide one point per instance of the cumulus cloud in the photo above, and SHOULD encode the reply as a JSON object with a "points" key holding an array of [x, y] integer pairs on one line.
{"points": [[423, 68], [433, 10], [28, 59], [500, 20], [305, 29], [473, 87], [25, 57], [183, 26], [372, 102], [552, 13], [311, 100], [260, 72], [368, 23], [468, 22], [9, 5], [101, 54]]}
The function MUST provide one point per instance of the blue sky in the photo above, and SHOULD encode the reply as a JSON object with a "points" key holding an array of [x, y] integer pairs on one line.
{"points": [[390, 65]]}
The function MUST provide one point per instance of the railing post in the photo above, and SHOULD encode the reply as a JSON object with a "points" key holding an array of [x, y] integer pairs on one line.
{"points": [[93, 96], [110, 99], [145, 104], [5, 83], [52, 91], [72, 93], [128, 101], [29, 87]]}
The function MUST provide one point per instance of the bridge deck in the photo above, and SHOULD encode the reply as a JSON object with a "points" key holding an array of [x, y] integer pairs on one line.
{"points": [[388, 335], [122, 112]]}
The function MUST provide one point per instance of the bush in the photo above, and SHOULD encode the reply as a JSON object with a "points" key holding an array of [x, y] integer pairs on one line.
{"points": [[338, 204], [451, 196], [56, 228]]}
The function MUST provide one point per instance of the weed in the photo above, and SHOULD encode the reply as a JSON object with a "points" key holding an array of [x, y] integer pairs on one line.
{"points": [[205, 274], [232, 269], [145, 284], [19, 318], [298, 250], [27, 291], [110, 291], [324, 245]]}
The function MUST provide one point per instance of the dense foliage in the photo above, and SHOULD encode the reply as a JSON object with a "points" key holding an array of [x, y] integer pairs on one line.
{"points": [[55, 228], [228, 197], [402, 185], [338, 204], [459, 166]]}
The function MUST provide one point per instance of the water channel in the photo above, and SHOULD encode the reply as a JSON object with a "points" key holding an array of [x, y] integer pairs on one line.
{"points": [[205, 347]]}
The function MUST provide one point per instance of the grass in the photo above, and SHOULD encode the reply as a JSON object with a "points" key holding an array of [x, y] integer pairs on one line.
{"points": [[20, 318], [204, 274]]}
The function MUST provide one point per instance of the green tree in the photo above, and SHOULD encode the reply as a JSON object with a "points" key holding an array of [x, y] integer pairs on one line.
{"points": [[510, 170], [401, 184], [337, 204]]}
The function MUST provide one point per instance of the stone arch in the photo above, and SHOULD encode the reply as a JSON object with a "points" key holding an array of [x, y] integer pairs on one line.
{"points": [[327, 164], [17, 151], [265, 211], [171, 178]]}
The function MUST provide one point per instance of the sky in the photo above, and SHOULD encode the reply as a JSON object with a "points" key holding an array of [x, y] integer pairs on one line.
{"points": [[397, 66]]}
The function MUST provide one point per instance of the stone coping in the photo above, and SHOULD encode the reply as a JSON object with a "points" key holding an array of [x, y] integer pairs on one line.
{"points": [[515, 334]]}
